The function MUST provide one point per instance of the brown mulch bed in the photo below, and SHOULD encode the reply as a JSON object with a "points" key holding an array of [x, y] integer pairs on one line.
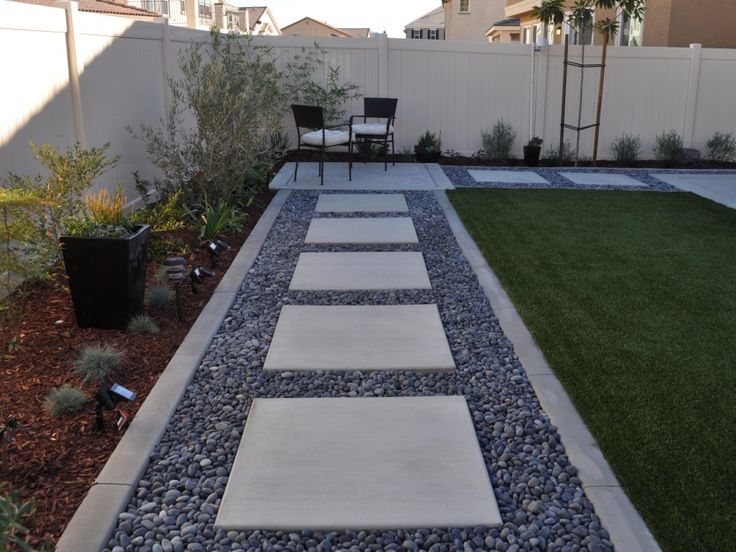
{"points": [[54, 461]]}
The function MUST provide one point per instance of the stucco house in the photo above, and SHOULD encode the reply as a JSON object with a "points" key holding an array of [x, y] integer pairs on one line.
{"points": [[311, 27], [676, 23], [469, 19], [429, 26], [256, 20]]}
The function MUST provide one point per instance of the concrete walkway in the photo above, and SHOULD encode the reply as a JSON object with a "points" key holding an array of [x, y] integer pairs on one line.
{"points": [[386, 411]]}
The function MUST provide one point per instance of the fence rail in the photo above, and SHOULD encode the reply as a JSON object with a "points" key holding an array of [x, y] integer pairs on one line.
{"points": [[456, 88]]}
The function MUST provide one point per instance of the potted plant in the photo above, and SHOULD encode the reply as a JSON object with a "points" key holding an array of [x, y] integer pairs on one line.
{"points": [[105, 258], [428, 148], [532, 151]]}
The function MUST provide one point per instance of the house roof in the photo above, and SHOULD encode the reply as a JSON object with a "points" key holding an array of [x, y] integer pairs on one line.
{"points": [[100, 6], [285, 30], [254, 14], [357, 32], [513, 22], [347, 32], [431, 20]]}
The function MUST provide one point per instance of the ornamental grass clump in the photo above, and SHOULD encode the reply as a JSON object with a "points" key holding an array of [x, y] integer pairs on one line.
{"points": [[721, 148], [97, 363], [159, 297], [64, 401], [142, 324]]}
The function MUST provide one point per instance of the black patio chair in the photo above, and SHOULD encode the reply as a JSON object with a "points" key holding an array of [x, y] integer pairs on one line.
{"points": [[319, 136], [380, 132]]}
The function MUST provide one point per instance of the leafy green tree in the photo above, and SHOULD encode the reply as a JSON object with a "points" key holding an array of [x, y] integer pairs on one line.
{"points": [[225, 117]]}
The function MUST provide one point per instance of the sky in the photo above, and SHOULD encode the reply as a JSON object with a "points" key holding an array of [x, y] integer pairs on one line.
{"points": [[379, 15]]}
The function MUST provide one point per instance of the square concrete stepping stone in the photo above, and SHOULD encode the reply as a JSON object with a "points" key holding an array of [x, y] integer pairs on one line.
{"points": [[508, 177], [358, 463], [361, 203], [362, 230], [601, 179], [356, 271], [359, 337]]}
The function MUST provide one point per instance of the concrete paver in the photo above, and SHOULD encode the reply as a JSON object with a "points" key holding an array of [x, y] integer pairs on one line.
{"points": [[357, 271], [359, 337], [362, 230], [511, 177], [601, 179], [338, 463], [361, 203]]}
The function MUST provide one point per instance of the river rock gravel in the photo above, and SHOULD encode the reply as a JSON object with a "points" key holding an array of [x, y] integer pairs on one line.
{"points": [[539, 494]]}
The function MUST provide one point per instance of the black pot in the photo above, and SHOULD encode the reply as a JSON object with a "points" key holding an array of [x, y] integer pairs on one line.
{"points": [[107, 277], [531, 155], [427, 156]]}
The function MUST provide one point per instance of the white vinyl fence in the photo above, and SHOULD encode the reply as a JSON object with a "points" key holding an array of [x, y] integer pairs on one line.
{"points": [[71, 76]]}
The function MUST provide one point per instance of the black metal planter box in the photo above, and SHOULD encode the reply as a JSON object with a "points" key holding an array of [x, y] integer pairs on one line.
{"points": [[107, 278]]}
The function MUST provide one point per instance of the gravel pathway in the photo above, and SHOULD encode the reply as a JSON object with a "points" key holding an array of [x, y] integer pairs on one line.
{"points": [[540, 497]]}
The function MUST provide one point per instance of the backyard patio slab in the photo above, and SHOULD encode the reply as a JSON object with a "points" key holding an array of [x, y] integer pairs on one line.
{"points": [[368, 176], [359, 337], [720, 188], [602, 179], [361, 230], [356, 271], [511, 177], [361, 203], [358, 463]]}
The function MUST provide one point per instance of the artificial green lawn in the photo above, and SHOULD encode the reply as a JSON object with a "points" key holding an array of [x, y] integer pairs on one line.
{"points": [[632, 298]]}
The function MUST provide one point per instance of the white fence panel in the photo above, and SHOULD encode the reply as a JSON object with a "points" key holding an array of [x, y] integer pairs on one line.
{"points": [[454, 88]]}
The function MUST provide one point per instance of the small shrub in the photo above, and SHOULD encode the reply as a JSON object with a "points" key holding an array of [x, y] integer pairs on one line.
{"points": [[98, 362], [64, 401], [159, 297], [553, 153], [499, 143], [142, 324], [161, 246], [668, 147], [626, 149], [721, 147], [218, 219], [166, 214], [70, 173], [428, 142], [13, 535]]}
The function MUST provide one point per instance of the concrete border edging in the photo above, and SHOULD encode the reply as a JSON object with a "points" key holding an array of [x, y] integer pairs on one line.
{"points": [[625, 526], [94, 520]]}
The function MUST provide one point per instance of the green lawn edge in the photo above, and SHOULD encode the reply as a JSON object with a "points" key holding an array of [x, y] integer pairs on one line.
{"points": [[632, 298]]}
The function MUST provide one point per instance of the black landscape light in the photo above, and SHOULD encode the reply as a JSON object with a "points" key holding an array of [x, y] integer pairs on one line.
{"points": [[108, 398], [198, 275], [176, 269], [7, 436], [215, 249]]}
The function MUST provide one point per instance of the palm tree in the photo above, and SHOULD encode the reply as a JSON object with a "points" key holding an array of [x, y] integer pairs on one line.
{"points": [[580, 17]]}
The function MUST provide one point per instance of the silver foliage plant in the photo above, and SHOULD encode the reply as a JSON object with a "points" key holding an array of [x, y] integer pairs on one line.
{"points": [[226, 116]]}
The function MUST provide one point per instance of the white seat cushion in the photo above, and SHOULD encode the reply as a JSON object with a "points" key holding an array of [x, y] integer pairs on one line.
{"points": [[375, 129], [332, 137]]}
